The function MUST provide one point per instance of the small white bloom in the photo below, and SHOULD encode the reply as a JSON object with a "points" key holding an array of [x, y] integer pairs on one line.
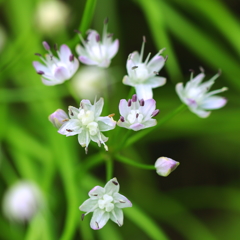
{"points": [[22, 201], [58, 118], [87, 123], [142, 75], [196, 96], [165, 166], [105, 203], [137, 115], [56, 71], [95, 51]]}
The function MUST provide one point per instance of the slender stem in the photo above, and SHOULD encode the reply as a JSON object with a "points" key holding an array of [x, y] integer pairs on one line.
{"points": [[132, 163], [163, 120]]}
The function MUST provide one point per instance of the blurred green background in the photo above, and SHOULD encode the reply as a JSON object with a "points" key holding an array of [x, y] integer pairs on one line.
{"points": [[201, 199]]}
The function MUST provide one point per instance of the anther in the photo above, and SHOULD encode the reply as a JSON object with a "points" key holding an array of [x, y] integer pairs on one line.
{"points": [[122, 119], [106, 20], [82, 217], [97, 38], [86, 150], [55, 46], [155, 113], [115, 183], [219, 72], [191, 70], [134, 67], [69, 130], [97, 224], [111, 115], [134, 98], [129, 103], [137, 115], [121, 201], [38, 54], [144, 39], [156, 73], [46, 46], [71, 57], [77, 31], [40, 72], [65, 120], [201, 69], [141, 102]]}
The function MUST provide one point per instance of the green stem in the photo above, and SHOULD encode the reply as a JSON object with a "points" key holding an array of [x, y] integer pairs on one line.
{"points": [[163, 120], [132, 163]]}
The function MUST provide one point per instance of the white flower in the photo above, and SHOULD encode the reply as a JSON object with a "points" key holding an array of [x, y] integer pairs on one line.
{"points": [[56, 71], [165, 166], [142, 75], [196, 96], [58, 118], [95, 51], [137, 115], [105, 203], [87, 123], [22, 201]]}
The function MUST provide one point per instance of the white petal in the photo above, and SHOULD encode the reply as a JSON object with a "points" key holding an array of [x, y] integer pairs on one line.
{"points": [[128, 81], [86, 60], [156, 81], [133, 60], [98, 107], [180, 91], [40, 67], [144, 91], [99, 219], [136, 126], [150, 123], [213, 103], [113, 49], [121, 201], [86, 105], [194, 82], [83, 138], [117, 216], [148, 108], [123, 108], [123, 124], [80, 50], [64, 53], [98, 138], [106, 124], [61, 74], [73, 112], [156, 63], [96, 192], [89, 205], [71, 128], [200, 113], [51, 82], [112, 186]]}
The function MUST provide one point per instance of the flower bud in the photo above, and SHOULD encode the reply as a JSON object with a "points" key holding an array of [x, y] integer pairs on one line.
{"points": [[58, 118], [165, 166], [22, 201]]}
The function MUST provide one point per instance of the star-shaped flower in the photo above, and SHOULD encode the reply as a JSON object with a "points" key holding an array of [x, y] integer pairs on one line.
{"points": [[105, 203], [197, 97], [143, 75], [137, 115], [56, 70], [95, 51], [87, 123]]}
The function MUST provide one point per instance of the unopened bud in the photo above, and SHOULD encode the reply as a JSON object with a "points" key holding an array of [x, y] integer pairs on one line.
{"points": [[165, 166], [58, 118]]}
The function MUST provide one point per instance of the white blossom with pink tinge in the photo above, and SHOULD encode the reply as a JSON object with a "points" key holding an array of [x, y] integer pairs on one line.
{"points": [[165, 166], [56, 70], [137, 114], [96, 51], [105, 203], [144, 75], [197, 97]]}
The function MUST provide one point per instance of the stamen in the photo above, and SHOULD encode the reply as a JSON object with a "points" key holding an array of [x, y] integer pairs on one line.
{"points": [[71, 57], [55, 46], [111, 115], [155, 112], [141, 102], [106, 20], [110, 35], [122, 119], [201, 69], [219, 72], [40, 72], [129, 103], [82, 217], [156, 73], [115, 183], [65, 120], [71, 113], [134, 98], [97, 224], [86, 150], [46, 46], [144, 39], [137, 115], [162, 50], [121, 201], [166, 58], [69, 130], [130, 56], [38, 54], [134, 67], [97, 37], [77, 31]]}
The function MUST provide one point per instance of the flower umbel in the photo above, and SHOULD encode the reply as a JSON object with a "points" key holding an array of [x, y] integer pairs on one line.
{"points": [[87, 123], [95, 51], [196, 96], [56, 70], [143, 75], [137, 115], [165, 166], [105, 203]]}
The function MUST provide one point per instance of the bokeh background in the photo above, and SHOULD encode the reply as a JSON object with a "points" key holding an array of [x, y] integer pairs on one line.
{"points": [[201, 199]]}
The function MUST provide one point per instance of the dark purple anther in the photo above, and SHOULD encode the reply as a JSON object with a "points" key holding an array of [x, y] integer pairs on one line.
{"points": [[122, 119], [38, 54], [55, 47], [137, 115], [71, 57], [97, 38], [155, 112], [46, 46], [115, 183], [77, 31], [141, 102], [83, 215], [129, 102], [144, 39], [40, 72], [106, 21], [134, 67], [134, 98]]}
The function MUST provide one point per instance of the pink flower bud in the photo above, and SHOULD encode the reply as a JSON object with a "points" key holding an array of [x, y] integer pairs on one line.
{"points": [[58, 118], [165, 166]]}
